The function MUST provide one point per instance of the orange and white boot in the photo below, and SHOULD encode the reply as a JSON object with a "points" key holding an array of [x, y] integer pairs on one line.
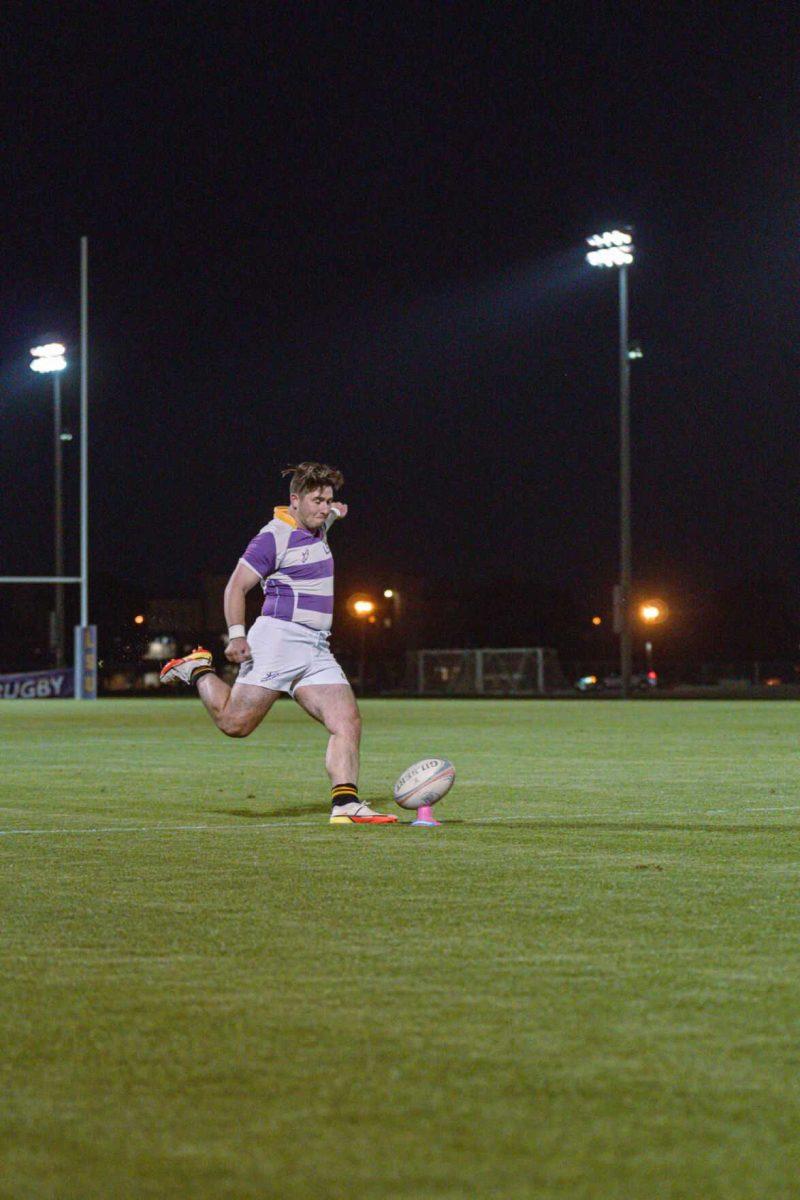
{"points": [[186, 669], [356, 813]]}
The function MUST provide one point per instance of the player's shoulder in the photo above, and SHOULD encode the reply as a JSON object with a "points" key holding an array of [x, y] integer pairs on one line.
{"points": [[277, 529], [281, 527]]}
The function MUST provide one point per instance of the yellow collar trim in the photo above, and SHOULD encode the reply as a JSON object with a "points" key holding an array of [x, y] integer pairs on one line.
{"points": [[281, 513]]}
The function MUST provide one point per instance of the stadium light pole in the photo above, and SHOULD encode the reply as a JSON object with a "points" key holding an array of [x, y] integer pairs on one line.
{"points": [[615, 249], [652, 612], [50, 359], [363, 609]]}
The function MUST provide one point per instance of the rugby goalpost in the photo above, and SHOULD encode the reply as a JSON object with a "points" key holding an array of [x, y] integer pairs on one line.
{"points": [[85, 634], [489, 671]]}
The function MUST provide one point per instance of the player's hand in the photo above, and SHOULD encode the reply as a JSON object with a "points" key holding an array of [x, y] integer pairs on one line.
{"points": [[340, 508], [238, 650]]}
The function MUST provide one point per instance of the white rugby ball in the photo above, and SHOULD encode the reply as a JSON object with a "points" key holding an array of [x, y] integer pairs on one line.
{"points": [[424, 783]]}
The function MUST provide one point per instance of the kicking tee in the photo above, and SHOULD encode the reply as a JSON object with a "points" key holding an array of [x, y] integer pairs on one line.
{"points": [[296, 569]]}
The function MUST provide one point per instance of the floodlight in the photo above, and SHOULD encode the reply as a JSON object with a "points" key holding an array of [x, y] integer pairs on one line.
{"points": [[388, 593], [614, 248], [51, 350], [46, 366], [362, 608], [615, 237], [612, 256]]}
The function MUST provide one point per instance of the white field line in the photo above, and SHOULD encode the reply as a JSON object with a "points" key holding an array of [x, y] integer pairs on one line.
{"points": [[294, 823], [712, 812]]}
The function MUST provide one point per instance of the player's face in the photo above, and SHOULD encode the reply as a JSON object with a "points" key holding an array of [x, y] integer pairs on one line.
{"points": [[313, 508]]}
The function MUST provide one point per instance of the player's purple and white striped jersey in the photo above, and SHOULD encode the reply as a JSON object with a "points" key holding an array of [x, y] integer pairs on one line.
{"points": [[296, 570]]}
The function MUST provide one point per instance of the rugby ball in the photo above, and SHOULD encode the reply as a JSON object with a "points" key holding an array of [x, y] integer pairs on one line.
{"points": [[424, 783]]}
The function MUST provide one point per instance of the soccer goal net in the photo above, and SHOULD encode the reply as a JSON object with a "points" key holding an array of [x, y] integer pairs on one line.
{"points": [[519, 671]]}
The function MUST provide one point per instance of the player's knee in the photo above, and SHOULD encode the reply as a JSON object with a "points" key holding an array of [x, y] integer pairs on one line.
{"points": [[236, 726], [349, 726]]}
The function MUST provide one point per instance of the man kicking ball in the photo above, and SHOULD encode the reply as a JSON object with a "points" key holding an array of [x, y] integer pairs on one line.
{"points": [[286, 649]]}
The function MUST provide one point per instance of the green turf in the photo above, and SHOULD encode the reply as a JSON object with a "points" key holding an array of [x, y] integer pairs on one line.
{"points": [[585, 984]]}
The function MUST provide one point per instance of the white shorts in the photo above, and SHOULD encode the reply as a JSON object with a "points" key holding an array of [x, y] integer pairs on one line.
{"points": [[287, 656]]}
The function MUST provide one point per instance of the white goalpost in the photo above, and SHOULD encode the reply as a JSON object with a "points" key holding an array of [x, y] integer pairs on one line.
{"points": [[489, 671], [85, 679]]}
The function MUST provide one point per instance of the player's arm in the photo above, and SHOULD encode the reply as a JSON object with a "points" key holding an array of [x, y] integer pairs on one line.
{"points": [[242, 581]]}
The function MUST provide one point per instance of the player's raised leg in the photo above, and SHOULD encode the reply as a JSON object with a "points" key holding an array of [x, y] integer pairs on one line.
{"points": [[335, 707], [235, 711]]}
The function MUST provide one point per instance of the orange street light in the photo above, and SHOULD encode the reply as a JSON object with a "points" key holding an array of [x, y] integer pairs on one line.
{"points": [[138, 619], [363, 608], [361, 604], [597, 620], [653, 612]]}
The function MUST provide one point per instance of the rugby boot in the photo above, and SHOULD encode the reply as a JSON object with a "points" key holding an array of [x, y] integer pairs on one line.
{"points": [[356, 813], [186, 669]]}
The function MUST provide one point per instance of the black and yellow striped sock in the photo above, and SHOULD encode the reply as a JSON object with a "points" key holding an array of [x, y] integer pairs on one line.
{"points": [[344, 793]]}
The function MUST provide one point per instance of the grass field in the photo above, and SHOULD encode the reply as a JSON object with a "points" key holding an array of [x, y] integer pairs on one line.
{"points": [[585, 984]]}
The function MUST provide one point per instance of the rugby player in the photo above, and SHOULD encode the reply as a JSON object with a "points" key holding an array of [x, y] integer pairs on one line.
{"points": [[286, 649]]}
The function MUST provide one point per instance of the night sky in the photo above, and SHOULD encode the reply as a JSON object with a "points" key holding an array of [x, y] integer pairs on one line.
{"points": [[321, 232]]}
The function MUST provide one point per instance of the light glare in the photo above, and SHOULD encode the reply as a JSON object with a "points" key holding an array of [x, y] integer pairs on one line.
{"points": [[45, 366], [363, 608], [613, 237], [51, 350], [613, 256]]}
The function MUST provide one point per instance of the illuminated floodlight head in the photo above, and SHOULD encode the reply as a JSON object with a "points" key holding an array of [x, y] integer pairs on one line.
{"points": [[616, 237], [46, 366], [48, 358], [614, 248], [363, 608], [388, 593]]}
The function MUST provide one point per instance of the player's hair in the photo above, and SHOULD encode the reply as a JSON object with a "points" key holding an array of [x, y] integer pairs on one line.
{"points": [[308, 476]]}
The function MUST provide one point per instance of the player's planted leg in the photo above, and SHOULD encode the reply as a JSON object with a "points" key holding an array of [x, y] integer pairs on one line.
{"points": [[334, 706]]}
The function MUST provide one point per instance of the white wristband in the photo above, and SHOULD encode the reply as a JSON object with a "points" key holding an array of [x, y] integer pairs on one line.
{"points": [[236, 631]]}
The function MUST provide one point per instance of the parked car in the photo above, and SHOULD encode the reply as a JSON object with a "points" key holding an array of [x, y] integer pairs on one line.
{"points": [[613, 683]]}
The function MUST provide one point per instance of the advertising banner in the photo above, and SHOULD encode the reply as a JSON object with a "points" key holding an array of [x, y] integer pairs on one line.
{"points": [[37, 685]]}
